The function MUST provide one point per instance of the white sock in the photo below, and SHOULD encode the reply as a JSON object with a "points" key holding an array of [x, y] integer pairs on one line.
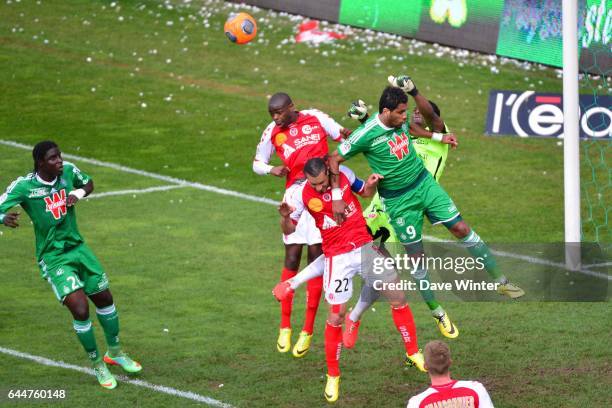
{"points": [[313, 270], [367, 297]]}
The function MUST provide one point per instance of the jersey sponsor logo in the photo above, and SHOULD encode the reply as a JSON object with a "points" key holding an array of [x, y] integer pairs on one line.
{"points": [[306, 129], [399, 146], [458, 402], [293, 131], [328, 223], [307, 140], [315, 204], [326, 197], [279, 139], [59, 272], [350, 209], [56, 204], [38, 192], [379, 140], [400, 221]]}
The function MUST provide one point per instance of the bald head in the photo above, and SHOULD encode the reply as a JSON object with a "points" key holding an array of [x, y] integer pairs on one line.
{"points": [[279, 100], [281, 109]]}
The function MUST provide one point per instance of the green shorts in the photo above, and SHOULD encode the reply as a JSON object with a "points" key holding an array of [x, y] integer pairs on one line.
{"points": [[406, 211], [77, 268]]}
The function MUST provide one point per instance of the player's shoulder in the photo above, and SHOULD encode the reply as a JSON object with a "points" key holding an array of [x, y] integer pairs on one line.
{"points": [[467, 384], [20, 183], [266, 135], [368, 130], [415, 401]]}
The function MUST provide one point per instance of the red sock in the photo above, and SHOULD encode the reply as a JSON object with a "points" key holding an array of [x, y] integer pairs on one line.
{"points": [[287, 304], [333, 346], [404, 322], [313, 298]]}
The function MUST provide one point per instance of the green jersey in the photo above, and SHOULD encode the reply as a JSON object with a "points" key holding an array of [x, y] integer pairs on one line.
{"points": [[55, 224], [389, 152]]}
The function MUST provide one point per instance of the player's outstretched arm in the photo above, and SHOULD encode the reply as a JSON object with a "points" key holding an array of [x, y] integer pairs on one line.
{"points": [[75, 195], [447, 138], [371, 184], [338, 205], [407, 85], [287, 225]]}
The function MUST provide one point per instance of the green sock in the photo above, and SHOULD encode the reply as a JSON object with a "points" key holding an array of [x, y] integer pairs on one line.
{"points": [[85, 333], [427, 294], [109, 320], [478, 249]]}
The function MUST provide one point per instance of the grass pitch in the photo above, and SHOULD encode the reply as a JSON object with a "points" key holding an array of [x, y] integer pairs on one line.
{"points": [[159, 88]]}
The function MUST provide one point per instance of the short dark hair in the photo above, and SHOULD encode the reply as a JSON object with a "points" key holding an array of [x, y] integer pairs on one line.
{"points": [[279, 99], [40, 150], [437, 357], [391, 98], [315, 166]]}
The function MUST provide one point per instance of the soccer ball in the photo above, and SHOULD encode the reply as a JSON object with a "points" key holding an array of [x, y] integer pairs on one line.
{"points": [[241, 28]]}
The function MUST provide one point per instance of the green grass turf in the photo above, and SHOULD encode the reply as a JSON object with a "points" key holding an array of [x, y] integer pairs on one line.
{"points": [[202, 265]]}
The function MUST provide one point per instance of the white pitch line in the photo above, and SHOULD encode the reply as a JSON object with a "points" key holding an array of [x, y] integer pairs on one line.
{"points": [[140, 383], [134, 191], [264, 200], [530, 259], [168, 179]]}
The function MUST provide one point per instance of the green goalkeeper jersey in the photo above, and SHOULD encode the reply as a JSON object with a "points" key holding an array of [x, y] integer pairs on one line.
{"points": [[389, 152], [55, 224]]}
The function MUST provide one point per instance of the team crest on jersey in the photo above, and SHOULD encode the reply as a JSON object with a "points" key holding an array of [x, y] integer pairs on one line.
{"points": [[326, 197], [279, 139], [399, 146], [306, 129], [56, 204], [293, 131], [328, 223], [315, 204]]}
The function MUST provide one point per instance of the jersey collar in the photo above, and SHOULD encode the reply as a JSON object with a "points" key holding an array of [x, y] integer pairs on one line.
{"points": [[382, 125], [46, 183]]}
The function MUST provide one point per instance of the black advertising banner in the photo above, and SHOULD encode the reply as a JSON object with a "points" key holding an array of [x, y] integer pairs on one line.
{"points": [[472, 24], [531, 114]]}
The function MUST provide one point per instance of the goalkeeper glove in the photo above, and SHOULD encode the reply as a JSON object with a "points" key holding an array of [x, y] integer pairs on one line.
{"points": [[405, 83], [358, 110]]}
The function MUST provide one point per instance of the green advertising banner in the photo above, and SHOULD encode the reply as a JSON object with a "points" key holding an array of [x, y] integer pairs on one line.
{"points": [[392, 16], [532, 30], [460, 23], [595, 37]]}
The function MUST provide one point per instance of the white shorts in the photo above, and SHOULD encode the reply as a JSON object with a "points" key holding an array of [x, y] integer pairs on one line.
{"points": [[338, 276], [306, 231]]}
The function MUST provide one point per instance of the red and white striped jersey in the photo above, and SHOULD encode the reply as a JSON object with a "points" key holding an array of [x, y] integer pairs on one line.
{"points": [[455, 394], [337, 239], [300, 141]]}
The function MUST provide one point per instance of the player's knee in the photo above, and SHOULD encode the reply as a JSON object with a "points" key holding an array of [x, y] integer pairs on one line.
{"points": [[335, 319], [292, 261], [460, 230], [80, 311]]}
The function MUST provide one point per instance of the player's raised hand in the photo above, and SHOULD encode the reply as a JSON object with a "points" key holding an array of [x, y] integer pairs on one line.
{"points": [[450, 139], [285, 209], [404, 82], [358, 110], [10, 220], [279, 171]]}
